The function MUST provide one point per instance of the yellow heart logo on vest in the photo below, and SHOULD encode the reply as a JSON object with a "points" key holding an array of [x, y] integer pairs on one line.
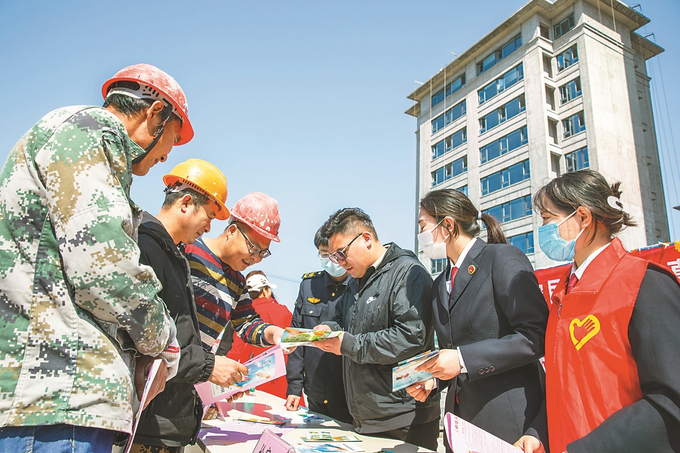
{"points": [[590, 326]]}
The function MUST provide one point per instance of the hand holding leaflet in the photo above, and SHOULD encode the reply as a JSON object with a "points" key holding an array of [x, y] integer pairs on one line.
{"points": [[405, 374], [262, 368]]}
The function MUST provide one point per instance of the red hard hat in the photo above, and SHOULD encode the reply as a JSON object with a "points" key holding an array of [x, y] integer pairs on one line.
{"points": [[155, 84], [261, 213]]}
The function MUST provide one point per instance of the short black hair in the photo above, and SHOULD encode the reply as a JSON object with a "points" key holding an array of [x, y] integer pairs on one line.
{"points": [[321, 237], [171, 196], [349, 220]]}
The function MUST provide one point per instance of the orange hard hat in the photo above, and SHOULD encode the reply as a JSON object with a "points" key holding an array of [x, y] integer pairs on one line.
{"points": [[154, 84], [261, 213], [204, 178]]}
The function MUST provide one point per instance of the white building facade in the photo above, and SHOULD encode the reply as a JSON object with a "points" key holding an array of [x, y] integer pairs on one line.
{"points": [[557, 87]]}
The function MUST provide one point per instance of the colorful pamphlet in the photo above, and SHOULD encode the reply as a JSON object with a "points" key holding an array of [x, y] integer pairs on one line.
{"points": [[305, 337], [465, 437], [262, 368], [405, 374], [326, 436]]}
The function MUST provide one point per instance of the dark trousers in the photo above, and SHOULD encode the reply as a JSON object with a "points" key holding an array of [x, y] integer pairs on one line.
{"points": [[422, 434]]}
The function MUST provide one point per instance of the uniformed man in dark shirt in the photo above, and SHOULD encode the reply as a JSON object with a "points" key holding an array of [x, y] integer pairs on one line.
{"points": [[318, 372]]}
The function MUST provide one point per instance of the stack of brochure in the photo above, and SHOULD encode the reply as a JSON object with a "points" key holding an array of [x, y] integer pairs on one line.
{"points": [[405, 374]]}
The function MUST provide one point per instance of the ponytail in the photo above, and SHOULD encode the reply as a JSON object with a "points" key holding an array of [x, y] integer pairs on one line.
{"points": [[494, 233]]}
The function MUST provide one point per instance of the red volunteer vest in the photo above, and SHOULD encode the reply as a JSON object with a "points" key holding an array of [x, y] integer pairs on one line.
{"points": [[590, 370]]}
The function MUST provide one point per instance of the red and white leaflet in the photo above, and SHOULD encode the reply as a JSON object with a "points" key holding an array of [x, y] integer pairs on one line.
{"points": [[464, 437]]}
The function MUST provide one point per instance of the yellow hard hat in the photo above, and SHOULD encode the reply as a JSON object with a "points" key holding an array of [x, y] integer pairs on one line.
{"points": [[204, 178]]}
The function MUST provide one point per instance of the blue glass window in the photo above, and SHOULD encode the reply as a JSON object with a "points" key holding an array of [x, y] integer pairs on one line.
{"points": [[524, 242], [567, 58], [570, 90], [437, 97], [506, 177], [437, 266], [463, 189], [507, 111], [564, 26], [503, 145], [449, 116], [451, 88], [499, 54], [451, 142], [574, 124], [577, 160], [515, 209], [505, 81], [449, 171]]}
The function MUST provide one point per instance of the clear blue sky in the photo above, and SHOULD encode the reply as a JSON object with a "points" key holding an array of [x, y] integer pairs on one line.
{"points": [[302, 100]]}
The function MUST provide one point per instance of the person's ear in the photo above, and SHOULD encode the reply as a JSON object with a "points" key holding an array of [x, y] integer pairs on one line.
{"points": [[155, 109], [186, 202], [448, 224], [584, 216]]}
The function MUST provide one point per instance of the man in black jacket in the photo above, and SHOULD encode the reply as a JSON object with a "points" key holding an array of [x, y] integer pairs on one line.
{"points": [[195, 194], [386, 317]]}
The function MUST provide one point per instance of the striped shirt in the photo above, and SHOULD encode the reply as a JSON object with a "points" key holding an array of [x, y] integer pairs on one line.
{"points": [[221, 297]]}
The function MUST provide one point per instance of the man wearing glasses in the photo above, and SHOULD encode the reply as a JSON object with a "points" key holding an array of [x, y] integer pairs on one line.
{"points": [[386, 317], [216, 266]]}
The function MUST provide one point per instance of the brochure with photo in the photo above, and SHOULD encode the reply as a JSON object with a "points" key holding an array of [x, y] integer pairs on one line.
{"points": [[305, 337], [262, 368], [405, 374]]}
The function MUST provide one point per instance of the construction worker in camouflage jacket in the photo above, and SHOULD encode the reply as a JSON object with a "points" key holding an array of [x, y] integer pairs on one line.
{"points": [[77, 309]]}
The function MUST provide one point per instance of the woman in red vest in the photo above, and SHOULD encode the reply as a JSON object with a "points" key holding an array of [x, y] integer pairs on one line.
{"points": [[613, 336]]}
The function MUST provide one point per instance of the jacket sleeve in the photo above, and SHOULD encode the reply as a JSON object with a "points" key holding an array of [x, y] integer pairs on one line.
{"points": [[247, 323], [296, 360], [522, 309], [653, 422], [195, 363], [95, 227], [407, 334]]}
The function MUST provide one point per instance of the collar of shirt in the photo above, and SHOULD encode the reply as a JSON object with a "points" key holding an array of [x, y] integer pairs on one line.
{"points": [[582, 268], [461, 258], [464, 253]]}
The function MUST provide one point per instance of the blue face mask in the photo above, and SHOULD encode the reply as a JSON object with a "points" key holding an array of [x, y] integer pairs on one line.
{"points": [[334, 270], [552, 244]]}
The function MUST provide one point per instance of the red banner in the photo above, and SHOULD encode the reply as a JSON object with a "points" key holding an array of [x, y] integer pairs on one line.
{"points": [[665, 254]]}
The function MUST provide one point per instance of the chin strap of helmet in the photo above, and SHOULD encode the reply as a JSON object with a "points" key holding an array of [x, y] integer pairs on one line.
{"points": [[165, 116]]}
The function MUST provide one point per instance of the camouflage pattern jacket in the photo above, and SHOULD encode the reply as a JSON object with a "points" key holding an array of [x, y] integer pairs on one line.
{"points": [[75, 304]]}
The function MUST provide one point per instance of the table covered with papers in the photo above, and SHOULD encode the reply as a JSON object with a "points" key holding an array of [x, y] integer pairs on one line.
{"points": [[246, 419]]}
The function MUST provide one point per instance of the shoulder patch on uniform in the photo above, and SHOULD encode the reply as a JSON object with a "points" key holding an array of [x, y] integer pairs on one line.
{"points": [[312, 274], [313, 300]]}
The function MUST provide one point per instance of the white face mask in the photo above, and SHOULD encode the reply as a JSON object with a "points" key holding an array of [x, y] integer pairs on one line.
{"points": [[431, 249]]}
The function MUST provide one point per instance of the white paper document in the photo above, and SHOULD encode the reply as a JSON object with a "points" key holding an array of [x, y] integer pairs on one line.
{"points": [[464, 437]]}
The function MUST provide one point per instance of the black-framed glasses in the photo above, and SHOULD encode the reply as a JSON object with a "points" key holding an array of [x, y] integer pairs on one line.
{"points": [[341, 255], [254, 249]]}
